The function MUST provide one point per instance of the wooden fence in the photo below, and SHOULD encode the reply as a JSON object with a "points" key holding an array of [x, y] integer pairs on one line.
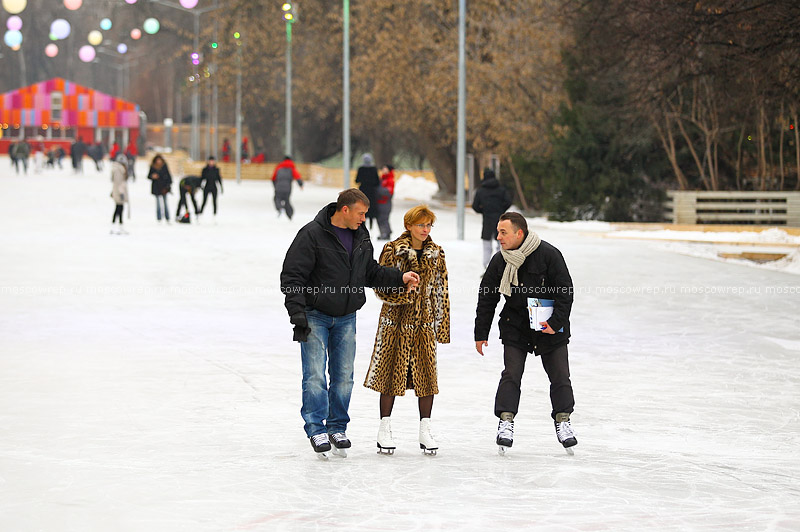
{"points": [[180, 165], [733, 207]]}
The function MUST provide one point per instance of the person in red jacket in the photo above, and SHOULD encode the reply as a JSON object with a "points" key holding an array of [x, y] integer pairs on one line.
{"points": [[383, 198], [282, 178]]}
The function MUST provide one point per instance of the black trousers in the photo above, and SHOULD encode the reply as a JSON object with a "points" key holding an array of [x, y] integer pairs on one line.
{"points": [[556, 365], [117, 213], [183, 203], [206, 192], [282, 203]]}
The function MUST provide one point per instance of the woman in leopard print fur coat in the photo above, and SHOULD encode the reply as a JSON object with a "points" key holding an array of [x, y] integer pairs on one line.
{"points": [[410, 325]]}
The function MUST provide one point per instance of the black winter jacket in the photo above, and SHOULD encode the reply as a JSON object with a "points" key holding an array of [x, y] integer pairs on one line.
{"points": [[492, 199], [318, 272], [544, 274], [162, 184], [210, 175]]}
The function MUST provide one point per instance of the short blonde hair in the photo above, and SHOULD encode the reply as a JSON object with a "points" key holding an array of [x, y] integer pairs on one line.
{"points": [[417, 214]]}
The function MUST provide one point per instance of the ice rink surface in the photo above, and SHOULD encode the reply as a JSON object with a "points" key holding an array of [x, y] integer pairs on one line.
{"points": [[149, 383]]}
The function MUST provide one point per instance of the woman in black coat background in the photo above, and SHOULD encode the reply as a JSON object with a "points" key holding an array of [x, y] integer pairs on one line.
{"points": [[368, 182], [161, 184]]}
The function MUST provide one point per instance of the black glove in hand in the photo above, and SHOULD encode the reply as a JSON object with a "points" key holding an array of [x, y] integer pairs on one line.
{"points": [[301, 328]]}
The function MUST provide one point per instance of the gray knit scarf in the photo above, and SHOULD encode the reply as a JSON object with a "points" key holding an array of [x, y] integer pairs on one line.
{"points": [[514, 259]]}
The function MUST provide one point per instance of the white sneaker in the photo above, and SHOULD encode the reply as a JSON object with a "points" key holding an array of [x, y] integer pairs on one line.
{"points": [[385, 439], [426, 441]]}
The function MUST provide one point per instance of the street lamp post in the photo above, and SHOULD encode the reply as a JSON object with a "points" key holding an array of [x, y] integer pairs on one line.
{"points": [[238, 117], [346, 94], [194, 145], [288, 16], [462, 119]]}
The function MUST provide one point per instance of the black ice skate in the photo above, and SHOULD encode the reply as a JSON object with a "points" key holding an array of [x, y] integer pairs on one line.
{"points": [[566, 436], [505, 435], [340, 443], [321, 445]]}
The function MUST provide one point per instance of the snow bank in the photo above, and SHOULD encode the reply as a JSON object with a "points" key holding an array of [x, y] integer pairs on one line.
{"points": [[408, 187]]}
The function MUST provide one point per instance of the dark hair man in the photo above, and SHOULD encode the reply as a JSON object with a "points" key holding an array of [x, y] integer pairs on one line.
{"points": [[324, 274], [535, 281]]}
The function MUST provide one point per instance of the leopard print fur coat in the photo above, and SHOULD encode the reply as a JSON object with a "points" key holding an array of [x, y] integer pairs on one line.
{"points": [[411, 323]]}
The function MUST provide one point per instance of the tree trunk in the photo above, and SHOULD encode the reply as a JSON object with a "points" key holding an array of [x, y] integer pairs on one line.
{"points": [[796, 147], [780, 150], [443, 162], [518, 185], [762, 153], [701, 167], [668, 142], [739, 161]]}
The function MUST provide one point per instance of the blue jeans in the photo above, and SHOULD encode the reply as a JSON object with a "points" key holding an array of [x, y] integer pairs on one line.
{"points": [[332, 343], [158, 207]]}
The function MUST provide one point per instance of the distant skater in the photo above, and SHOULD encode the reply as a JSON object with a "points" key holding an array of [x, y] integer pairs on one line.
{"points": [[161, 184], [119, 191], [283, 176], [211, 177]]}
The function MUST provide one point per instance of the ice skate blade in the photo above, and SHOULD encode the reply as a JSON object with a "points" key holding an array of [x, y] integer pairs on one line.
{"points": [[323, 455], [426, 451], [501, 450], [385, 450], [569, 451], [340, 452]]}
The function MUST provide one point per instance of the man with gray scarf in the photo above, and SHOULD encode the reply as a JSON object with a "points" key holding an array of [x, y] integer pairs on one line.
{"points": [[531, 274]]}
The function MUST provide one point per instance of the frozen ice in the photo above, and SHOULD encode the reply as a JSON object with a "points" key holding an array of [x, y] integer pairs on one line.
{"points": [[149, 382]]}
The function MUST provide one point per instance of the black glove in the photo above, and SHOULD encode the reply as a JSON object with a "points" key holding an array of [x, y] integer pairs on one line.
{"points": [[301, 328]]}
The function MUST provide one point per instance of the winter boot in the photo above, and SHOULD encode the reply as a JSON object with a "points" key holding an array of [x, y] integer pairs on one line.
{"points": [[426, 441], [566, 436], [385, 440]]}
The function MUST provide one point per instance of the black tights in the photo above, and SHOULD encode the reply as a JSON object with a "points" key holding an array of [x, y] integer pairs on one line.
{"points": [[117, 212], [425, 405]]}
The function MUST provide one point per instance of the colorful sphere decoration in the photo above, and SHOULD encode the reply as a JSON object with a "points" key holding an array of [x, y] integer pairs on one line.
{"points": [[105, 24], [15, 7], [95, 37], [151, 26], [136, 34], [51, 50], [14, 23], [130, 1], [60, 28], [87, 53], [72, 5], [13, 38], [122, 48], [189, 4]]}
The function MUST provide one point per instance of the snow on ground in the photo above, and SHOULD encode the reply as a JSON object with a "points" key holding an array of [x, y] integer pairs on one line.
{"points": [[149, 383]]}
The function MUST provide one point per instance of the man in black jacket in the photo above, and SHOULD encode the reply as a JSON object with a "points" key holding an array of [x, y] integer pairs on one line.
{"points": [[534, 278], [324, 274], [491, 200]]}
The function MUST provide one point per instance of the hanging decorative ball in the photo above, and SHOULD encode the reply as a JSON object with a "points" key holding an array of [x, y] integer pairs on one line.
{"points": [[136, 34], [151, 26], [15, 7], [122, 48], [13, 38], [60, 28], [95, 38], [51, 50], [130, 1], [105, 24], [72, 5], [188, 4], [87, 53], [14, 23]]}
